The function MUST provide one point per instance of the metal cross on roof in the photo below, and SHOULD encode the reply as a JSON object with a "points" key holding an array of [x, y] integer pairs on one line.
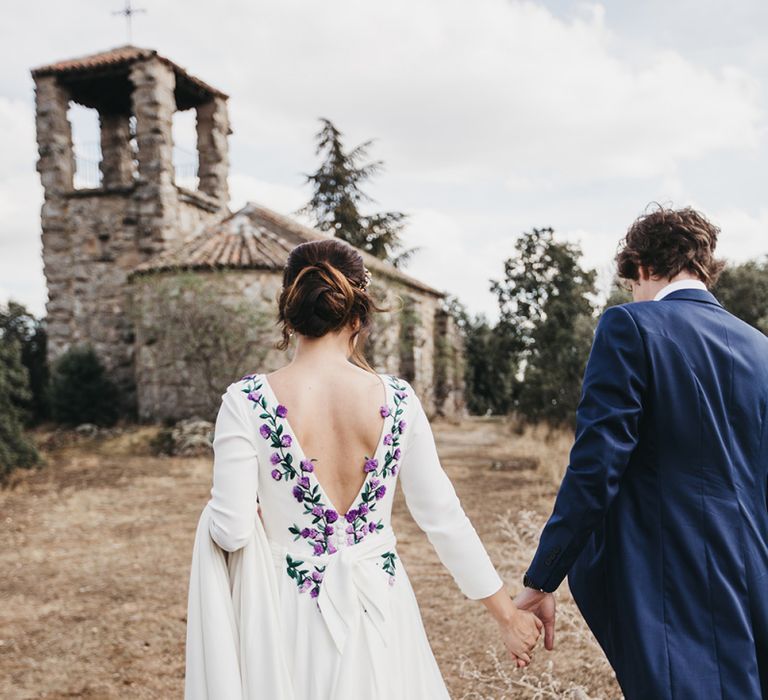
{"points": [[128, 12]]}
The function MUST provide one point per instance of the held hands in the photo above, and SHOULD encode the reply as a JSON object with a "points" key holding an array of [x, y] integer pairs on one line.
{"points": [[520, 633], [543, 606], [520, 629]]}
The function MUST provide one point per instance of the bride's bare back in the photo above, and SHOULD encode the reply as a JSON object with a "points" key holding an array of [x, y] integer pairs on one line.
{"points": [[334, 412]]}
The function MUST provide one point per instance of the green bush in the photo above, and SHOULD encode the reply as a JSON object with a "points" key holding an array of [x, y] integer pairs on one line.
{"points": [[15, 449], [18, 323], [81, 391]]}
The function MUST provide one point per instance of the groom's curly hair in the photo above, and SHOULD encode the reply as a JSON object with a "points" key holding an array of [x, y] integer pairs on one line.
{"points": [[667, 241]]}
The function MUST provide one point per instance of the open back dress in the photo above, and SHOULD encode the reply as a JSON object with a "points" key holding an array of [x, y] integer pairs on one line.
{"points": [[349, 621]]}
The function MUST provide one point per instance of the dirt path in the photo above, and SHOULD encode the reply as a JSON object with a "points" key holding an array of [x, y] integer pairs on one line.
{"points": [[95, 551]]}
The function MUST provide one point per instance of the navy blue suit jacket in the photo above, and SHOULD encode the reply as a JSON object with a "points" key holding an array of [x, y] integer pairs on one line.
{"points": [[661, 520]]}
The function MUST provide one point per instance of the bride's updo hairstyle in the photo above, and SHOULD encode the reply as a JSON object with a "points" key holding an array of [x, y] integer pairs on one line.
{"points": [[324, 290]]}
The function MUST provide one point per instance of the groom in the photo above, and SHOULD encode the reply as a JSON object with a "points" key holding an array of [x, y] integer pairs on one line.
{"points": [[661, 520]]}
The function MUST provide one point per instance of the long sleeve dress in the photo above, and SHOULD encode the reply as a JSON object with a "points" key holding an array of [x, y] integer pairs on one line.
{"points": [[349, 622]]}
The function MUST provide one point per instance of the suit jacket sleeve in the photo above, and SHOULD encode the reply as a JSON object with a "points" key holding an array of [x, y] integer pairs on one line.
{"points": [[435, 506], [233, 502], [607, 426]]}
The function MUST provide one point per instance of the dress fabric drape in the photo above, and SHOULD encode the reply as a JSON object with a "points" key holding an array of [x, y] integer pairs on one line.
{"points": [[314, 604]]}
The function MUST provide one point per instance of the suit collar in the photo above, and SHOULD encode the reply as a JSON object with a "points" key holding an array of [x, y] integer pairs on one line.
{"points": [[703, 295]]}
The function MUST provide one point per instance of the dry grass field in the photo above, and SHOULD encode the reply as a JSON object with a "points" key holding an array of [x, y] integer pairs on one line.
{"points": [[95, 550]]}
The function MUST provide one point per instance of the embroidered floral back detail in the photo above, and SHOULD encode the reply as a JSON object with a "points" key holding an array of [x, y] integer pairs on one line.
{"points": [[297, 474]]}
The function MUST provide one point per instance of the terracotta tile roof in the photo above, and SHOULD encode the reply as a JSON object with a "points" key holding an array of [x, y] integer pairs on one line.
{"points": [[122, 55], [256, 238]]}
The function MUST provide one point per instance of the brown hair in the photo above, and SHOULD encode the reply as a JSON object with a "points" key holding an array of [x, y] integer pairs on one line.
{"points": [[668, 241], [325, 290]]}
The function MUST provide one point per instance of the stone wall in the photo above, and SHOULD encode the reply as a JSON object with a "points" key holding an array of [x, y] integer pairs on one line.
{"points": [[92, 239], [231, 318], [449, 367], [171, 385]]}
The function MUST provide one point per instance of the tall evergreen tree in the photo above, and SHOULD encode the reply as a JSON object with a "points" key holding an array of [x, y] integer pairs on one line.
{"points": [[546, 308], [337, 198], [15, 449], [18, 323]]}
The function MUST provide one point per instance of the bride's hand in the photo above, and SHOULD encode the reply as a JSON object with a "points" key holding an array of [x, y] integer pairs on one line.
{"points": [[520, 633], [520, 630]]}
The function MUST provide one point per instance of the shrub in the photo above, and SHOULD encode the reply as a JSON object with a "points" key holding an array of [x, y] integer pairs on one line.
{"points": [[81, 391], [16, 322], [15, 449]]}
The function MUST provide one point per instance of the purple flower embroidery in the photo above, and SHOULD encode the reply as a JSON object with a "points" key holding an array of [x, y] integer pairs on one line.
{"points": [[275, 458], [276, 475], [318, 549], [388, 439], [286, 441], [401, 425], [371, 465], [394, 469], [317, 511], [307, 466], [298, 493], [312, 533], [374, 483], [371, 527], [363, 509], [329, 529], [265, 430], [401, 394], [397, 453], [380, 492], [305, 533], [385, 411], [281, 411], [304, 482], [306, 585], [351, 515], [332, 549], [331, 516], [317, 576], [254, 396], [314, 592]]}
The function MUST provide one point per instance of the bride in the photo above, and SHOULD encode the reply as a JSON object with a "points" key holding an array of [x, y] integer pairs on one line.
{"points": [[297, 590]]}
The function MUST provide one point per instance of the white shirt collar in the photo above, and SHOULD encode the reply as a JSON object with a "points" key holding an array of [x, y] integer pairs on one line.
{"points": [[680, 284]]}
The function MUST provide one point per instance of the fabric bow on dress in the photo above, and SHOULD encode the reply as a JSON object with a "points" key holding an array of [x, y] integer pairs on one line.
{"points": [[353, 585]]}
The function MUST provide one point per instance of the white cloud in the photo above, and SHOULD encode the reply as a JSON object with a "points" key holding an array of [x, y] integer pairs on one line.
{"points": [[282, 198], [743, 235], [21, 275], [492, 117], [496, 88]]}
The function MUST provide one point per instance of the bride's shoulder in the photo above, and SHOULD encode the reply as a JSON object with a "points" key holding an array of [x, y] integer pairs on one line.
{"points": [[402, 390], [246, 386]]}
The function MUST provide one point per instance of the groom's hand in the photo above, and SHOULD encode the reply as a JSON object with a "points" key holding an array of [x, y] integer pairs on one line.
{"points": [[543, 606]]}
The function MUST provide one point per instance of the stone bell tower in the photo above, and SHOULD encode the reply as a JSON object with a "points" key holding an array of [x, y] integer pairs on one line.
{"points": [[93, 237]]}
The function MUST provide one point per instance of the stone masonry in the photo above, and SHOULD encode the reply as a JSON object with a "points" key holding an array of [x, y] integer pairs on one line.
{"points": [[127, 259]]}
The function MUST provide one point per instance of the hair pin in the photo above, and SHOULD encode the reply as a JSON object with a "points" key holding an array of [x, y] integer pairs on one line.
{"points": [[367, 281]]}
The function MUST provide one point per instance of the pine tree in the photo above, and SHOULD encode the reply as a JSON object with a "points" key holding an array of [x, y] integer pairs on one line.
{"points": [[545, 304], [337, 197], [15, 448]]}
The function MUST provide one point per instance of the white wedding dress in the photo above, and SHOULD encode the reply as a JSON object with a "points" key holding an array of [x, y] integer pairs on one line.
{"points": [[315, 604]]}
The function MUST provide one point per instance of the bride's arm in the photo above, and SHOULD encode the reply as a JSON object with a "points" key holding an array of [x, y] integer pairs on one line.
{"points": [[235, 473], [432, 500]]}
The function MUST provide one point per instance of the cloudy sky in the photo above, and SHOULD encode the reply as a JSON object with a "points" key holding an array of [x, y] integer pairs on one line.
{"points": [[492, 116]]}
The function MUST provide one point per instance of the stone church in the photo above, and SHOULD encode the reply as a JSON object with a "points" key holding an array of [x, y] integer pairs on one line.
{"points": [[176, 293]]}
